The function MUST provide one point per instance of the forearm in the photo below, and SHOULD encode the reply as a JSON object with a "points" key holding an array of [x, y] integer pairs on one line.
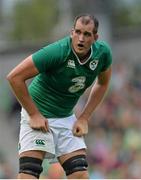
{"points": [[20, 90], [96, 95]]}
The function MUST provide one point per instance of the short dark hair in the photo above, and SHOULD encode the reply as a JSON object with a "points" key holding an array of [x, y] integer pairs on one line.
{"points": [[85, 19]]}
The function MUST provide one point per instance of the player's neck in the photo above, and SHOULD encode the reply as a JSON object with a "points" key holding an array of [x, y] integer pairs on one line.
{"points": [[84, 57]]}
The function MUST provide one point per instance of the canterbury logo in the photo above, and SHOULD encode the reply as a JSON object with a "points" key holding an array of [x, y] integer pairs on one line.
{"points": [[40, 142], [71, 63]]}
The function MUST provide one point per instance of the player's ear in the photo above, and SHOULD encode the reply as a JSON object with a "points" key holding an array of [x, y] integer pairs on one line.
{"points": [[96, 36], [71, 33]]}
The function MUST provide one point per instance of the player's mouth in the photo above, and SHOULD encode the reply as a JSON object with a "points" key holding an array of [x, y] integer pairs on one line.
{"points": [[80, 45]]}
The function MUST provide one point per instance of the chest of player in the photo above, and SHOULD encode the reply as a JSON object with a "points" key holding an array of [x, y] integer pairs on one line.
{"points": [[76, 77]]}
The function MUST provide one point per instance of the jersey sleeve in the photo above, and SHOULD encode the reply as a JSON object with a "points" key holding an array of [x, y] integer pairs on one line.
{"points": [[107, 60], [47, 58]]}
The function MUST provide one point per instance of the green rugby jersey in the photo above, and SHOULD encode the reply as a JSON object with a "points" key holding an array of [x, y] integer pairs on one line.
{"points": [[63, 78]]}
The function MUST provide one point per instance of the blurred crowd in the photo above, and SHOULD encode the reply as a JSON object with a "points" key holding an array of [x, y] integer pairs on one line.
{"points": [[6, 171], [115, 147], [114, 139]]}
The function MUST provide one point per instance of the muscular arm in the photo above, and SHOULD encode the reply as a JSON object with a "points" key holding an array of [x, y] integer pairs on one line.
{"points": [[97, 93], [17, 77]]}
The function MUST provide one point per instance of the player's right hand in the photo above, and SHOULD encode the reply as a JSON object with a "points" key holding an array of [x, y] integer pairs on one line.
{"points": [[39, 122]]}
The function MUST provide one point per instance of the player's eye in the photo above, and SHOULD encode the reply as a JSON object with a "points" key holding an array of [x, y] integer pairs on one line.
{"points": [[87, 34], [77, 31]]}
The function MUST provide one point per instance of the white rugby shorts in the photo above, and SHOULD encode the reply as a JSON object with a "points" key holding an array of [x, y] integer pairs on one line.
{"points": [[59, 141]]}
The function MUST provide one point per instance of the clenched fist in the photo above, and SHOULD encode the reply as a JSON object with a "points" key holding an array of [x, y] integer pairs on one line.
{"points": [[80, 127]]}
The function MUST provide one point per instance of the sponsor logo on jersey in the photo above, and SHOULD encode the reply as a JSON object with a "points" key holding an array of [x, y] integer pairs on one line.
{"points": [[71, 63], [40, 142], [93, 64]]}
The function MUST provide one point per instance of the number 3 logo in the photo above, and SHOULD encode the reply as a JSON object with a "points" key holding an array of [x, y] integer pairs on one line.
{"points": [[79, 83]]}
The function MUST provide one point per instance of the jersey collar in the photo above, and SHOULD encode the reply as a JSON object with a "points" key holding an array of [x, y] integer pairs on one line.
{"points": [[82, 63]]}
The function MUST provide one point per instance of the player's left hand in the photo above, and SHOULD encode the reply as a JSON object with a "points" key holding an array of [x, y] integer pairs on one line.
{"points": [[80, 127]]}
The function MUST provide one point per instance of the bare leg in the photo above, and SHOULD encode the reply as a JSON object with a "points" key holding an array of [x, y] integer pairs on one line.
{"points": [[35, 154], [79, 174]]}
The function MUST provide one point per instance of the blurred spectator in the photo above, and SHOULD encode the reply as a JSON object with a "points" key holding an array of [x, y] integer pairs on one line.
{"points": [[5, 169]]}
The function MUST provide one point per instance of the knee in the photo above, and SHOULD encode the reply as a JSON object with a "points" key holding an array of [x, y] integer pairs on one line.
{"points": [[76, 166], [79, 175], [31, 166]]}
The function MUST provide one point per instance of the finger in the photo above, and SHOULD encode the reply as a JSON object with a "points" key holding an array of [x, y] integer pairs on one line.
{"points": [[78, 132], [36, 129], [74, 130], [86, 131], [43, 130], [46, 126]]}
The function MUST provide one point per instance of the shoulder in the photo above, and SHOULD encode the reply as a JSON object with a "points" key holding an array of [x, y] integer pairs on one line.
{"points": [[60, 47], [61, 43], [65, 42], [102, 46]]}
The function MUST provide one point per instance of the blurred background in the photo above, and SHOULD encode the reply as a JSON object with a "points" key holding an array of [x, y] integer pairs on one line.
{"points": [[114, 139]]}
